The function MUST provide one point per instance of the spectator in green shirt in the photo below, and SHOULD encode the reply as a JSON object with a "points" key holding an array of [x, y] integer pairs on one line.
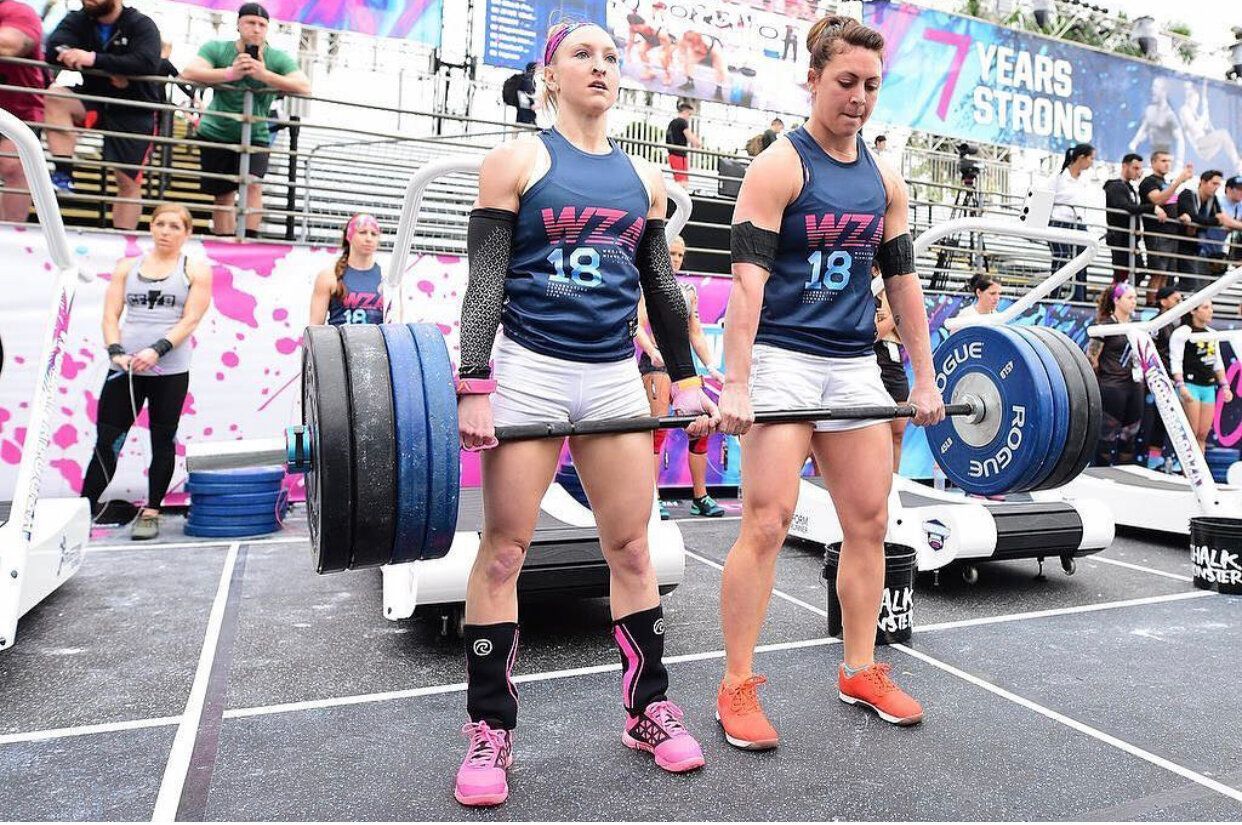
{"points": [[233, 62]]}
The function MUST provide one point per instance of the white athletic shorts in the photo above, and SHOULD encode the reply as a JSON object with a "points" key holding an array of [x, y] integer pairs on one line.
{"points": [[782, 379], [532, 388]]}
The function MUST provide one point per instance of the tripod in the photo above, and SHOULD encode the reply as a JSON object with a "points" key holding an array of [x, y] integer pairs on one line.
{"points": [[966, 204]]}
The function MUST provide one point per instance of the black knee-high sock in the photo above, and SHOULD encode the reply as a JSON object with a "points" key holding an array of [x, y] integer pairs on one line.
{"points": [[491, 651], [640, 637]]}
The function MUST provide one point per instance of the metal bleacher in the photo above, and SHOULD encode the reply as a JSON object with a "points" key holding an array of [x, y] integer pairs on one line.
{"points": [[341, 178], [339, 157]]}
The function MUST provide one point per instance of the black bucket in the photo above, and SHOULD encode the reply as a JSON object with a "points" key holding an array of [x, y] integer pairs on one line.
{"points": [[1216, 553], [896, 622]]}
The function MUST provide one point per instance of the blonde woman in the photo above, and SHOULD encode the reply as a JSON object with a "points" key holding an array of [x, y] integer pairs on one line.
{"points": [[567, 232]]}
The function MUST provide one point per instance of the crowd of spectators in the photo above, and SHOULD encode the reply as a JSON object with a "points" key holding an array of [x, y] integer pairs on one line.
{"points": [[1161, 230], [117, 50], [1176, 233]]}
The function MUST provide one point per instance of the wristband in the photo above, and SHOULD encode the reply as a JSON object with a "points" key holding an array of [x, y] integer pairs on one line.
{"points": [[1181, 385], [232, 75], [115, 349], [162, 347], [476, 386]]}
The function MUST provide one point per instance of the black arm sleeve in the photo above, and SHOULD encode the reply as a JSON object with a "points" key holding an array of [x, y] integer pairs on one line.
{"points": [[748, 244], [489, 242], [666, 308], [896, 256]]}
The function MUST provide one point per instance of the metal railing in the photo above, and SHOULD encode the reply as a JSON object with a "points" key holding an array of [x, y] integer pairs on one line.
{"points": [[342, 157]]}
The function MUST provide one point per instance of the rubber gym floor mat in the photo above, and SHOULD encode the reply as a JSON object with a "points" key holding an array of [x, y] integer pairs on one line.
{"points": [[119, 641], [975, 757], [1161, 551], [1003, 587], [107, 776], [1160, 676], [345, 646]]}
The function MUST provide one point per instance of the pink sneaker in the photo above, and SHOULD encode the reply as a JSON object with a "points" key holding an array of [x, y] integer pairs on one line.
{"points": [[481, 779], [658, 730]]}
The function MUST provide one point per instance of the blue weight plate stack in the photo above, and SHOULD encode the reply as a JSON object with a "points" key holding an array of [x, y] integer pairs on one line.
{"points": [[1007, 452], [410, 417], [1060, 405], [233, 503], [1075, 371], [443, 441], [1219, 460]]}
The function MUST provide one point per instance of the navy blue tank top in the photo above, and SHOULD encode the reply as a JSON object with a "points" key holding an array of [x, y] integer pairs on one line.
{"points": [[572, 287], [363, 302], [818, 298]]}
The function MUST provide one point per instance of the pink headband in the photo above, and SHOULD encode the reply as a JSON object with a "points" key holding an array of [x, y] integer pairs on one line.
{"points": [[359, 222], [1120, 289], [555, 40]]}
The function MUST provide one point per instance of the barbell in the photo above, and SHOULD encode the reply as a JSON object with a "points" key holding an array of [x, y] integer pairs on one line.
{"points": [[379, 441]]}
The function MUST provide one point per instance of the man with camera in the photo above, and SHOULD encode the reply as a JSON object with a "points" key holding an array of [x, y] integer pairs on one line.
{"points": [[233, 67]]}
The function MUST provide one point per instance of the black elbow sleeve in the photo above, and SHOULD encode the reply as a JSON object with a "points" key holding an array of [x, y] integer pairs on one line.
{"points": [[489, 244], [896, 256], [666, 308], [748, 244]]}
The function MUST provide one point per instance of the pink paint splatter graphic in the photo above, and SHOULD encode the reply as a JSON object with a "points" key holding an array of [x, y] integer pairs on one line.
{"points": [[1232, 376], [70, 471], [69, 368], [257, 363], [65, 437], [261, 260], [230, 302]]}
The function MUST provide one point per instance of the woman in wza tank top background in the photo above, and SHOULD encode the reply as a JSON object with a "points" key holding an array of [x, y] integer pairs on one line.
{"points": [[351, 290]]}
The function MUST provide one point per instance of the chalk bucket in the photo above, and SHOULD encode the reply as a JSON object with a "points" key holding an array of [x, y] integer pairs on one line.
{"points": [[896, 621], [1216, 553]]}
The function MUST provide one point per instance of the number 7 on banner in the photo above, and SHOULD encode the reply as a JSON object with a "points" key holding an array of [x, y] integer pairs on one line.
{"points": [[960, 42]]}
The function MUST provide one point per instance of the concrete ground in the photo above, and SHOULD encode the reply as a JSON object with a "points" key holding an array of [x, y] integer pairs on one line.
{"points": [[226, 681]]}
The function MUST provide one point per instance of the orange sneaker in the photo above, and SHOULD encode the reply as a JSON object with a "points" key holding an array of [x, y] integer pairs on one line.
{"points": [[738, 711], [873, 687]]}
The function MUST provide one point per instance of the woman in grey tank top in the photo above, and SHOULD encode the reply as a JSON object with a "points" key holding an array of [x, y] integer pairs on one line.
{"points": [[153, 304]]}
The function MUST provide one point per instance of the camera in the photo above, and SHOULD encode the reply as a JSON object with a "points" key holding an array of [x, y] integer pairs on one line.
{"points": [[967, 166], [253, 51]]}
